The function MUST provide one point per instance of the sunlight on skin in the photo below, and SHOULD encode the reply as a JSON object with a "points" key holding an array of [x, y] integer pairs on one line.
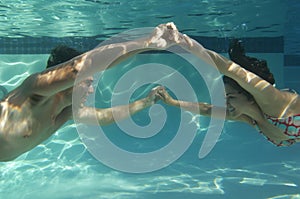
{"points": [[262, 84], [8, 115], [47, 87], [250, 77], [292, 101], [205, 186], [266, 96]]}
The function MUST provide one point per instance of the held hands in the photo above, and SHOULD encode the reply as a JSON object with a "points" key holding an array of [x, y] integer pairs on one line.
{"points": [[153, 96], [163, 95], [159, 93], [167, 35]]}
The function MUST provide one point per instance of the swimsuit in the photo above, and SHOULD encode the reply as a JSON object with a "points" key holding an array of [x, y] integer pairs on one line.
{"points": [[290, 127]]}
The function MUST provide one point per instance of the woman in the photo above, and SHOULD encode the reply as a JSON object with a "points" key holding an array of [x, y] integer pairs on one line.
{"points": [[250, 94]]}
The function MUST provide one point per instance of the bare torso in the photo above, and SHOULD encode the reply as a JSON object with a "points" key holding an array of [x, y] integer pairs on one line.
{"points": [[35, 110], [27, 120]]}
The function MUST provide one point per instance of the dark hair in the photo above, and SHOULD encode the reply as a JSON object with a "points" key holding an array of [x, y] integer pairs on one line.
{"points": [[259, 67], [61, 54], [236, 86]]}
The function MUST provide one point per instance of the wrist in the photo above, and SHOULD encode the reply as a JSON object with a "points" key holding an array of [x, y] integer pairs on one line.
{"points": [[147, 101], [172, 102]]}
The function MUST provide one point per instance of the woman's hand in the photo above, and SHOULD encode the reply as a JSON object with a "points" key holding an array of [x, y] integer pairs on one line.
{"points": [[153, 95], [167, 35], [164, 36]]}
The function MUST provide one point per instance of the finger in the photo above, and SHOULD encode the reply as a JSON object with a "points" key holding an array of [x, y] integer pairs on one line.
{"points": [[157, 98], [162, 97], [171, 25], [187, 39]]}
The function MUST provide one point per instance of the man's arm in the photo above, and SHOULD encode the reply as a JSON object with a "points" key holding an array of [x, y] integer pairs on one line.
{"points": [[90, 115], [63, 76], [200, 108]]}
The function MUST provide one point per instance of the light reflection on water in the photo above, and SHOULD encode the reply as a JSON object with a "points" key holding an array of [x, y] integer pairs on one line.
{"points": [[89, 18], [45, 175], [62, 168]]}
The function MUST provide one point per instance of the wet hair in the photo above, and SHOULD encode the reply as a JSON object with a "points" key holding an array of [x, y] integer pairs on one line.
{"points": [[259, 67], [236, 86], [61, 54]]}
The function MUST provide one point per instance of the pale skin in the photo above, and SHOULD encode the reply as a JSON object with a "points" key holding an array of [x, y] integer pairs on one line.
{"points": [[267, 99], [32, 112]]}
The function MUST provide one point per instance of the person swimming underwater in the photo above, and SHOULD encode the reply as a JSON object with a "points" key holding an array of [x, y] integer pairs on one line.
{"points": [[250, 94], [42, 103]]}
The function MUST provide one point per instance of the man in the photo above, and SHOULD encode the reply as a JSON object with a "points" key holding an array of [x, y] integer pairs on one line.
{"points": [[43, 102]]}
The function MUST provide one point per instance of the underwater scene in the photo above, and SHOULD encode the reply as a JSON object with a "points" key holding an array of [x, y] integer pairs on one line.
{"points": [[162, 151]]}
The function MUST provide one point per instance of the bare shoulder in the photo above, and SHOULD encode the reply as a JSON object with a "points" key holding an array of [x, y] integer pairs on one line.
{"points": [[23, 95], [295, 103], [51, 81], [289, 101]]}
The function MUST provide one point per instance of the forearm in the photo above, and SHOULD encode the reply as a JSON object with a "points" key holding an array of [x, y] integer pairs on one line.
{"points": [[214, 59], [118, 113], [195, 107], [108, 56], [108, 116], [248, 80], [127, 55], [63, 76], [203, 109]]}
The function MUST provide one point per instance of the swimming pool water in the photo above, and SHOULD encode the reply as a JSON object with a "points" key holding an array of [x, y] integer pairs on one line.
{"points": [[241, 165]]}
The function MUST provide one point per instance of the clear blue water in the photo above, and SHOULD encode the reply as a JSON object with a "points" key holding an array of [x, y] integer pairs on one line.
{"points": [[241, 165]]}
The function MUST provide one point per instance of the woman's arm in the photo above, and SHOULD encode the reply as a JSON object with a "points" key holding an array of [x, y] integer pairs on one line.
{"points": [[248, 80], [264, 93], [200, 108]]}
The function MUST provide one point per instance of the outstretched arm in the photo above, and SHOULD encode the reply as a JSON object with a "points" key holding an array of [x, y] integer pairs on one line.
{"points": [[110, 115], [246, 79], [200, 108], [264, 93], [63, 76]]}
